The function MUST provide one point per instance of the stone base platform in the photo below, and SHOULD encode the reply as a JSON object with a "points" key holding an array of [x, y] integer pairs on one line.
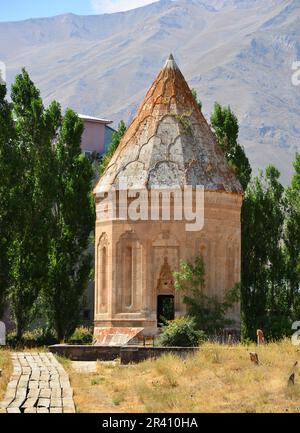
{"points": [[127, 354], [116, 336]]}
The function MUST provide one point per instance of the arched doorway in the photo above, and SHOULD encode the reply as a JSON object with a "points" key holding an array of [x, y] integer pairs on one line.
{"points": [[165, 309], [165, 295]]}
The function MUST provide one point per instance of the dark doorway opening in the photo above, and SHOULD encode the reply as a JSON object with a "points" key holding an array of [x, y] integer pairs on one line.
{"points": [[165, 309]]}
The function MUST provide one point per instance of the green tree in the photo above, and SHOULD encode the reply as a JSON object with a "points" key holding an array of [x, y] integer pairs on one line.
{"points": [[263, 294], [8, 178], [181, 332], [226, 128], [292, 240], [27, 251], [195, 94], [209, 312], [72, 222], [116, 138]]}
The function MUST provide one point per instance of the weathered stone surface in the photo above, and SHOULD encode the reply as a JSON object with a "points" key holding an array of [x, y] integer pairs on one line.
{"points": [[56, 402], [168, 146], [13, 410], [28, 391], [56, 410], [30, 402], [43, 402], [169, 142], [42, 410], [45, 393]]}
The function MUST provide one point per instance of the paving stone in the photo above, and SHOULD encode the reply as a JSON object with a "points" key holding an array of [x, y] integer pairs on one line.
{"points": [[55, 385], [43, 402], [10, 394], [69, 409], [67, 393], [30, 402], [56, 393], [45, 393], [33, 392], [56, 402], [13, 410], [13, 384], [39, 384], [56, 410], [43, 384], [45, 375], [68, 402]]}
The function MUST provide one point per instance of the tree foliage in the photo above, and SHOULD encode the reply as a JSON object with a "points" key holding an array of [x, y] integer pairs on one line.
{"points": [[182, 332], [116, 138], [226, 128], [72, 221], [195, 94], [264, 303], [27, 252], [46, 210], [292, 240], [209, 312], [8, 178]]}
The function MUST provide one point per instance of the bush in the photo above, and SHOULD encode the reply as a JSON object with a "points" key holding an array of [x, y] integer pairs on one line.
{"points": [[181, 332], [37, 338], [81, 335]]}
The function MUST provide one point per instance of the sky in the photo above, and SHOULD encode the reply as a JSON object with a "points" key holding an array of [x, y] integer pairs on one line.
{"points": [[15, 10]]}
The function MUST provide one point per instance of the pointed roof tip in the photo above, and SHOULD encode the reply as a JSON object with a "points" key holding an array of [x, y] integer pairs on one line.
{"points": [[170, 63]]}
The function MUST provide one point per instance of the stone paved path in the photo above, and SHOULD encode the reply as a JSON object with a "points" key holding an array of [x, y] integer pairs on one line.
{"points": [[39, 384]]}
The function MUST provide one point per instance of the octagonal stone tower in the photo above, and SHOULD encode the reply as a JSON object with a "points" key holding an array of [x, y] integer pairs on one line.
{"points": [[168, 147]]}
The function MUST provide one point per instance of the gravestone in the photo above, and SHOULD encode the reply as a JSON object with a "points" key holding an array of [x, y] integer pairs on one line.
{"points": [[260, 337], [2, 334]]}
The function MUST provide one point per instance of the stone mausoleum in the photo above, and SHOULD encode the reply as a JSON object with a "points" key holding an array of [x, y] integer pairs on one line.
{"points": [[169, 147]]}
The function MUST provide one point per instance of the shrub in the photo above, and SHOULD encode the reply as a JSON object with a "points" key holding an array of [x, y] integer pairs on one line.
{"points": [[37, 338], [209, 311], [81, 335], [181, 332]]}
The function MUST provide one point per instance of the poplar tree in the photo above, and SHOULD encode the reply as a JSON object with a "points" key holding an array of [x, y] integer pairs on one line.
{"points": [[72, 222], [226, 128], [292, 240], [263, 294], [8, 175], [33, 192]]}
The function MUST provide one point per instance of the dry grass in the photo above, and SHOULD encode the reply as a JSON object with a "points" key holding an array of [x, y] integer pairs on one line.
{"points": [[6, 367], [217, 379]]}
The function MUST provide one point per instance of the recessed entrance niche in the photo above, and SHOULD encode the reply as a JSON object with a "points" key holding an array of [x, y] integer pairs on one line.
{"points": [[165, 309]]}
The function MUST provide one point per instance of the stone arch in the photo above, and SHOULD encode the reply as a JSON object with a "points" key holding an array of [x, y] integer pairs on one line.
{"points": [[165, 284], [129, 276], [165, 260], [101, 291]]}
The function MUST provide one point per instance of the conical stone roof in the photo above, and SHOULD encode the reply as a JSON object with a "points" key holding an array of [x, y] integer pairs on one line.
{"points": [[169, 143]]}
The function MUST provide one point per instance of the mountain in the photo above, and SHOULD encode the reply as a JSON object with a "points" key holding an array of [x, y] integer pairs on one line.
{"points": [[237, 52]]}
